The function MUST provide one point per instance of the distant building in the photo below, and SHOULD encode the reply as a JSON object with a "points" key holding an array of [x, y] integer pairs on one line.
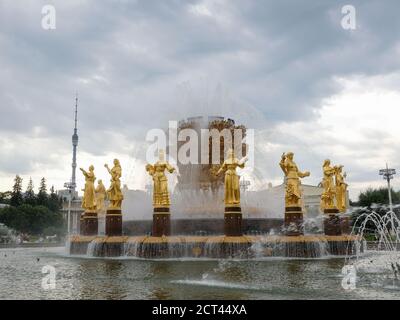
{"points": [[65, 194], [76, 211], [311, 198]]}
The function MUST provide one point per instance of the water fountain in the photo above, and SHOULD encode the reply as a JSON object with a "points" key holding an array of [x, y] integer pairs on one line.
{"points": [[380, 261], [292, 240]]}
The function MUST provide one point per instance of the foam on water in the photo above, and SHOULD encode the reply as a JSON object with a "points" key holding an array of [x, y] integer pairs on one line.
{"points": [[216, 284], [379, 262]]}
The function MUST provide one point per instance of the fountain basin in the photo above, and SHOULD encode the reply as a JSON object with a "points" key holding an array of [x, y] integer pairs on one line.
{"points": [[218, 247]]}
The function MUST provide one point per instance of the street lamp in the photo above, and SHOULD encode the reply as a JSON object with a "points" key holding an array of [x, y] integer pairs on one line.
{"points": [[388, 175], [70, 187]]}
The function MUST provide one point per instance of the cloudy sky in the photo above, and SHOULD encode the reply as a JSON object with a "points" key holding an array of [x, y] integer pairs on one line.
{"points": [[288, 69]]}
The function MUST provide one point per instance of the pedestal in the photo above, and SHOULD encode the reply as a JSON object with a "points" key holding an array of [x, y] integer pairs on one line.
{"points": [[294, 221], [345, 225], [332, 225], [233, 222], [161, 222], [113, 222], [82, 225], [90, 223]]}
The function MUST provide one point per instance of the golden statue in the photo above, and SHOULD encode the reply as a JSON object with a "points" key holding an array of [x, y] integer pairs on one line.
{"points": [[232, 189], [101, 195], [89, 197], [292, 174], [160, 189], [114, 192], [329, 192], [341, 189]]}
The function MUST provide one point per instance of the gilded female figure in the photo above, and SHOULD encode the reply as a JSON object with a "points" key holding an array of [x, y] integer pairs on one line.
{"points": [[114, 192], [293, 174], [232, 190], [341, 189], [329, 192], [101, 195], [89, 197], [160, 189]]}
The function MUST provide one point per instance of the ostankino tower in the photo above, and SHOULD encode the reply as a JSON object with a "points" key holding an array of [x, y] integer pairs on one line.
{"points": [[75, 139]]}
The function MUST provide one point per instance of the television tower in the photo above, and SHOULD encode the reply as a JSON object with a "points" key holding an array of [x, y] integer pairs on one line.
{"points": [[74, 146], [71, 185]]}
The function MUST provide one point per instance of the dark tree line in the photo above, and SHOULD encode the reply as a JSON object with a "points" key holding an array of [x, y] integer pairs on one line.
{"points": [[30, 212], [380, 199], [378, 196]]}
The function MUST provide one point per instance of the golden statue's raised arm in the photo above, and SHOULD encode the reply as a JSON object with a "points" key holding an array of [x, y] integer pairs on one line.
{"points": [[150, 169], [304, 174], [169, 167], [221, 169], [107, 167], [83, 171], [282, 164]]}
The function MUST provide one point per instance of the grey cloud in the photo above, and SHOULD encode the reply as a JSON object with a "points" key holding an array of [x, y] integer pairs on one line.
{"points": [[131, 61]]}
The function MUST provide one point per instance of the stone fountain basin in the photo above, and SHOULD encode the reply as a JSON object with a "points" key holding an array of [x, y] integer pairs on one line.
{"points": [[242, 247]]}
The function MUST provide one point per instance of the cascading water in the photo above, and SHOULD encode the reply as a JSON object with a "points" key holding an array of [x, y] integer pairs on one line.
{"points": [[132, 249], [386, 229], [68, 245], [382, 255], [92, 249]]}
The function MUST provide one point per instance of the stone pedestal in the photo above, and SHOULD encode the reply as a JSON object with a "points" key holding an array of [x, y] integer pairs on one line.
{"points": [[81, 225], [233, 222], [89, 223], [113, 222], [345, 225], [161, 222], [332, 224], [294, 221]]}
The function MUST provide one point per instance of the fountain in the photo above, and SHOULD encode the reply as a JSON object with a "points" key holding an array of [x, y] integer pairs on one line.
{"points": [[230, 242], [382, 255]]}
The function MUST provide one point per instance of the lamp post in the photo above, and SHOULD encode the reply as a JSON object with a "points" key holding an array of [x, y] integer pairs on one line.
{"points": [[388, 175]]}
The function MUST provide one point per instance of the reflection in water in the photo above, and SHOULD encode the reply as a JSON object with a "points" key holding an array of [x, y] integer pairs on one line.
{"points": [[110, 285], [79, 278], [159, 294], [295, 274], [161, 269]]}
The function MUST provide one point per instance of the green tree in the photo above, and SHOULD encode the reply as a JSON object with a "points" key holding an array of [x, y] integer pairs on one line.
{"points": [[42, 196], [378, 196], [16, 194], [30, 197], [5, 197], [34, 220], [53, 203]]}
